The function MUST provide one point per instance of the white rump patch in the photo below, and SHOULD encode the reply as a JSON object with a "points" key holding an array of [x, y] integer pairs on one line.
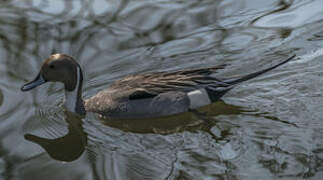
{"points": [[198, 98]]}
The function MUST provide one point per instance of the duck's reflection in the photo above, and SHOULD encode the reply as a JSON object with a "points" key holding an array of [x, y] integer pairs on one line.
{"points": [[71, 146], [67, 148]]}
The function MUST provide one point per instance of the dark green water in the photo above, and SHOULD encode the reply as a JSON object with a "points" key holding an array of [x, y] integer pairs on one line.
{"points": [[267, 128]]}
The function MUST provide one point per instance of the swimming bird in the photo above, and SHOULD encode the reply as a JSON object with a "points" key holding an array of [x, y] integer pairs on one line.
{"points": [[145, 95]]}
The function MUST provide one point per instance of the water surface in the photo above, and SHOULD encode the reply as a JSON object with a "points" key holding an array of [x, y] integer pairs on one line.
{"points": [[267, 128]]}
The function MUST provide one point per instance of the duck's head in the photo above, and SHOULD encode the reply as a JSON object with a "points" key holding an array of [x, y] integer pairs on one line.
{"points": [[62, 68], [57, 68]]}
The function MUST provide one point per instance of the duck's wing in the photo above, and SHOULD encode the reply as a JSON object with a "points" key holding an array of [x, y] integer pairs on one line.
{"points": [[151, 84]]}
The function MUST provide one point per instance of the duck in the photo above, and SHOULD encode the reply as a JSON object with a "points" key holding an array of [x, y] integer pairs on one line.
{"points": [[145, 95]]}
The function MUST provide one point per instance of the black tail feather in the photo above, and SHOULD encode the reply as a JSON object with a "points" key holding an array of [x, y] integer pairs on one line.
{"points": [[237, 80]]}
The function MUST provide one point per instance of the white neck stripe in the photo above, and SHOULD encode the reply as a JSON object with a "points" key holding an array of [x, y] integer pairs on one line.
{"points": [[71, 96]]}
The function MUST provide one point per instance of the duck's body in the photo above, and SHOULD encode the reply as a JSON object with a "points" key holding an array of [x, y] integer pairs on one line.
{"points": [[140, 96], [155, 94]]}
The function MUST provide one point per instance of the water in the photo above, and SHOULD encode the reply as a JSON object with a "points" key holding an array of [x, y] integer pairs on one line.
{"points": [[266, 128]]}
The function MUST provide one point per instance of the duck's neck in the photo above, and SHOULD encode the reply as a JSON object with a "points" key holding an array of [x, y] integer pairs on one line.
{"points": [[73, 99]]}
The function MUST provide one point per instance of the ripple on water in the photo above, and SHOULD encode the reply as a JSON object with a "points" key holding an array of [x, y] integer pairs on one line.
{"points": [[238, 41], [309, 56], [1, 97], [297, 15]]}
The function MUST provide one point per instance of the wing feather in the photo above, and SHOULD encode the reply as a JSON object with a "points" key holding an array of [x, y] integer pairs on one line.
{"points": [[151, 84]]}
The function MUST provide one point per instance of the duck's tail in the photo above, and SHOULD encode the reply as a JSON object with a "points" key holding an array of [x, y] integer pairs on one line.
{"points": [[236, 80]]}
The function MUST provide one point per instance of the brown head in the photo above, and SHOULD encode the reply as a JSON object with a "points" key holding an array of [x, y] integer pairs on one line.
{"points": [[57, 68], [61, 68]]}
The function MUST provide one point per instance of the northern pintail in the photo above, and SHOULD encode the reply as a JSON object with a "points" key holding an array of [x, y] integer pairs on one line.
{"points": [[140, 96]]}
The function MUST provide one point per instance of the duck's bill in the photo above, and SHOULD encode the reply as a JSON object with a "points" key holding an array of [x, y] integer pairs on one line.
{"points": [[39, 80]]}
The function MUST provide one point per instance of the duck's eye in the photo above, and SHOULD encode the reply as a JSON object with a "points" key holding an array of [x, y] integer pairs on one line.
{"points": [[51, 66]]}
